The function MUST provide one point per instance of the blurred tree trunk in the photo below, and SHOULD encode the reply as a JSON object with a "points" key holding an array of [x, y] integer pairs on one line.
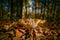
{"points": [[11, 9], [16, 9], [0, 10], [19, 8]]}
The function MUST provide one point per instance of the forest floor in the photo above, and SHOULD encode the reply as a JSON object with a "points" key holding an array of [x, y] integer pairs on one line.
{"points": [[25, 29]]}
